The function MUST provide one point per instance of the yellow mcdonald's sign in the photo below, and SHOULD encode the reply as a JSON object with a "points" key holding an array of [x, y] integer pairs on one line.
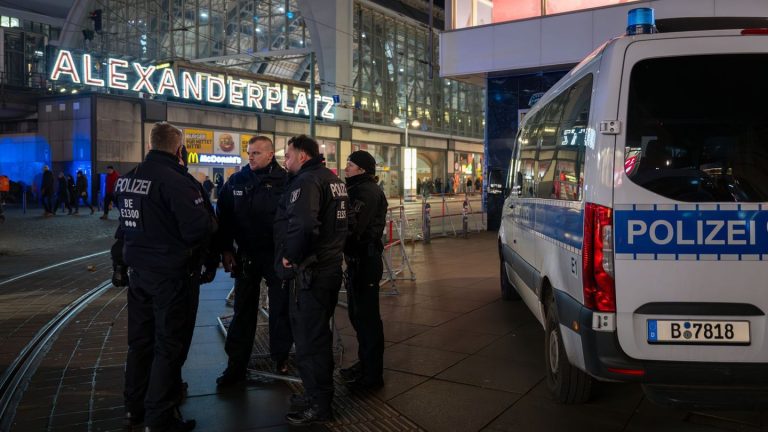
{"points": [[199, 140], [193, 158]]}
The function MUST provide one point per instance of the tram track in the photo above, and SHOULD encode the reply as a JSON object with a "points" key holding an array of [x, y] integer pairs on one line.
{"points": [[36, 306]]}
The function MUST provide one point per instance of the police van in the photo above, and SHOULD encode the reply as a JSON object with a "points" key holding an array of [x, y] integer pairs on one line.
{"points": [[636, 223]]}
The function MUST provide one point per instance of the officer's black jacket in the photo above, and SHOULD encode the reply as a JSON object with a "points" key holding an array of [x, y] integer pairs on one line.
{"points": [[312, 217], [164, 221], [367, 215], [246, 208]]}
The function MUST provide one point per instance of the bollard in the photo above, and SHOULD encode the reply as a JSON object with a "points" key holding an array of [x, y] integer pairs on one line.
{"points": [[23, 200], [427, 224], [465, 218]]}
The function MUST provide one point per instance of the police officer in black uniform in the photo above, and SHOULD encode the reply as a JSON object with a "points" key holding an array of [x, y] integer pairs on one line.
{"points": [[367, 216], [246, 208], [164, 227], [311, 226]]}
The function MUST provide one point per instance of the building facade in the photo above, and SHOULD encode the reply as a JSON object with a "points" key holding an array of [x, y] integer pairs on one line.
{"points": [[353, 73]]}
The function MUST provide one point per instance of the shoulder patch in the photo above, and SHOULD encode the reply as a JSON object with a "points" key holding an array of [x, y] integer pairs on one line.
{"points": [[295, 195]]}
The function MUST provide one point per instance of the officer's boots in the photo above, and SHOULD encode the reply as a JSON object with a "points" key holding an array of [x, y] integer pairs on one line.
{"points": [[311, 415]]}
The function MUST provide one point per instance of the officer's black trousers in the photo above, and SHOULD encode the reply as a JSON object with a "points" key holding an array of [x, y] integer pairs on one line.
{"points": [[194, 293], [242, 329], [364, 274], [158, 322], [312, 306]]}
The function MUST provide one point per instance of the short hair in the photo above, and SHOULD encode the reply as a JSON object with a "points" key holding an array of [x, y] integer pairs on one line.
{"points": [[163, 137], [110, 167], [305, 144], [262, 138]]}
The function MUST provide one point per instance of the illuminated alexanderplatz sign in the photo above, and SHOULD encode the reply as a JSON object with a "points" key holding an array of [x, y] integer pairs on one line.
{"points": [[187, 85]]}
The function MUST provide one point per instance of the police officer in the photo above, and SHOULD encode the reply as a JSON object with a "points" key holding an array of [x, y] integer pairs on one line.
{"points": [[367, 216], [164, 226], [311, 226], [246, 209]]}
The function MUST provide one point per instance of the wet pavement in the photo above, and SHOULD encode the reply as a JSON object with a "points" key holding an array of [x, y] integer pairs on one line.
{"points": [[457, 357]]}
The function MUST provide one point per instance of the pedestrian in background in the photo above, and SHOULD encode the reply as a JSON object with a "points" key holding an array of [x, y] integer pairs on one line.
{"points": [[208, 186], [163, 231], [81, 192], [219, 183], [62, 194], [310, 229], [362, 252], [246, 210], [72, 193], [109, 190], [46, 191]]}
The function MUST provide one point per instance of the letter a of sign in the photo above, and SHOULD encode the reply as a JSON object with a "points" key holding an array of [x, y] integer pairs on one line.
{"points": [[65, 65]]}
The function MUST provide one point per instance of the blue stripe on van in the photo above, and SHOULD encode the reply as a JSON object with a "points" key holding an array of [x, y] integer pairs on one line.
{"points": [[560, 223]]}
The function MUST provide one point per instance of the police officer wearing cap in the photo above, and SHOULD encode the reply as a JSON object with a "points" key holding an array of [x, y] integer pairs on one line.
{"points": [[164, 229], [311, 226], [367, 216], [246, 208]]}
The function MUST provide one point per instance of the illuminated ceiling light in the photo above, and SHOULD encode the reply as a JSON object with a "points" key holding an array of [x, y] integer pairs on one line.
{"points": [[203, 14], [363, 35], [74, 91], [281, 9], [258, 30], [63, 90], [415, 123], [402, 70]]}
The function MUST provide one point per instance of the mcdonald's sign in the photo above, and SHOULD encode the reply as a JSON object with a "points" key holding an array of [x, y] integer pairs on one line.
{"points": [[193, 158]]}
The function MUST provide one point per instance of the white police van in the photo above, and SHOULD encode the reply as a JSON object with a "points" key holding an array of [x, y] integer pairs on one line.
{"points": [[636, 225]]}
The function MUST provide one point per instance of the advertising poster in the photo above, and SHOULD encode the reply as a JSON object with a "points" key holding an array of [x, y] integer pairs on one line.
{"points": [[244, 138], [226, 143], [198, 140]]}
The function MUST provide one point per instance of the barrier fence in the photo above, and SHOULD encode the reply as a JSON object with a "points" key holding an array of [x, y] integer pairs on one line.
{"points": [[438, 215]]}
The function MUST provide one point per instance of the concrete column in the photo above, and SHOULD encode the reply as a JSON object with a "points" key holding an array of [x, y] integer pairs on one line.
{"points": [[330, 25]]}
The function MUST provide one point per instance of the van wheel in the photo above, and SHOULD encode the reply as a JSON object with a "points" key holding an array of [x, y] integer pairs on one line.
{"points": [[508, 291], [568, 384]]}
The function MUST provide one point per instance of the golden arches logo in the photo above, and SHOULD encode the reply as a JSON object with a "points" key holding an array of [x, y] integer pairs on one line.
{"points": [[193, 158]]}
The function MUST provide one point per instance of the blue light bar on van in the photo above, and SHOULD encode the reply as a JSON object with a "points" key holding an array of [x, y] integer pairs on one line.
{"points": [[641, 21]]}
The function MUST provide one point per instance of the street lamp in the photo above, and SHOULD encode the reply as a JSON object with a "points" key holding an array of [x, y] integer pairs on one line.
{"points": [[409, 158]]}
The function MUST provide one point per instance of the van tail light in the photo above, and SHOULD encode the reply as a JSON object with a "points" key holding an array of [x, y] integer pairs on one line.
{"points": [[597, 259]]}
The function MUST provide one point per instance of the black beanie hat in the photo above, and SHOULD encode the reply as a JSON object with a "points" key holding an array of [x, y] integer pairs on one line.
{"points": [[364, 160]]}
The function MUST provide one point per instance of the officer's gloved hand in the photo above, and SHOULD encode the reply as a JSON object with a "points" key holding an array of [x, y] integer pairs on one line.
{"points": [[207, 275], [119, 275]]}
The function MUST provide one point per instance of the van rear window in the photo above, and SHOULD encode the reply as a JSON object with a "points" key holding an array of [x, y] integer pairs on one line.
{"points": [[697, 127]]}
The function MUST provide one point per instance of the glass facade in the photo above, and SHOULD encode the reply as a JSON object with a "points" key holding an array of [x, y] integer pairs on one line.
{"points": [[225, 31], [390, 69], [24, 46]]}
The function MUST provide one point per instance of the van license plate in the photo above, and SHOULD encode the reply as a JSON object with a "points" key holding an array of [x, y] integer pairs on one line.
{"points": [[698, 332]]}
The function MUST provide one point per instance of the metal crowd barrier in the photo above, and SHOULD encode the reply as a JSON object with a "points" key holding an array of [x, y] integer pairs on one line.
{"points": [[395, 256]]}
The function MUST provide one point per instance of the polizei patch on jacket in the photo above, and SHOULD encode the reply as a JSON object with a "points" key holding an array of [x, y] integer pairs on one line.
{"points": [[133, 185], [295, 195], [338, 190]]}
